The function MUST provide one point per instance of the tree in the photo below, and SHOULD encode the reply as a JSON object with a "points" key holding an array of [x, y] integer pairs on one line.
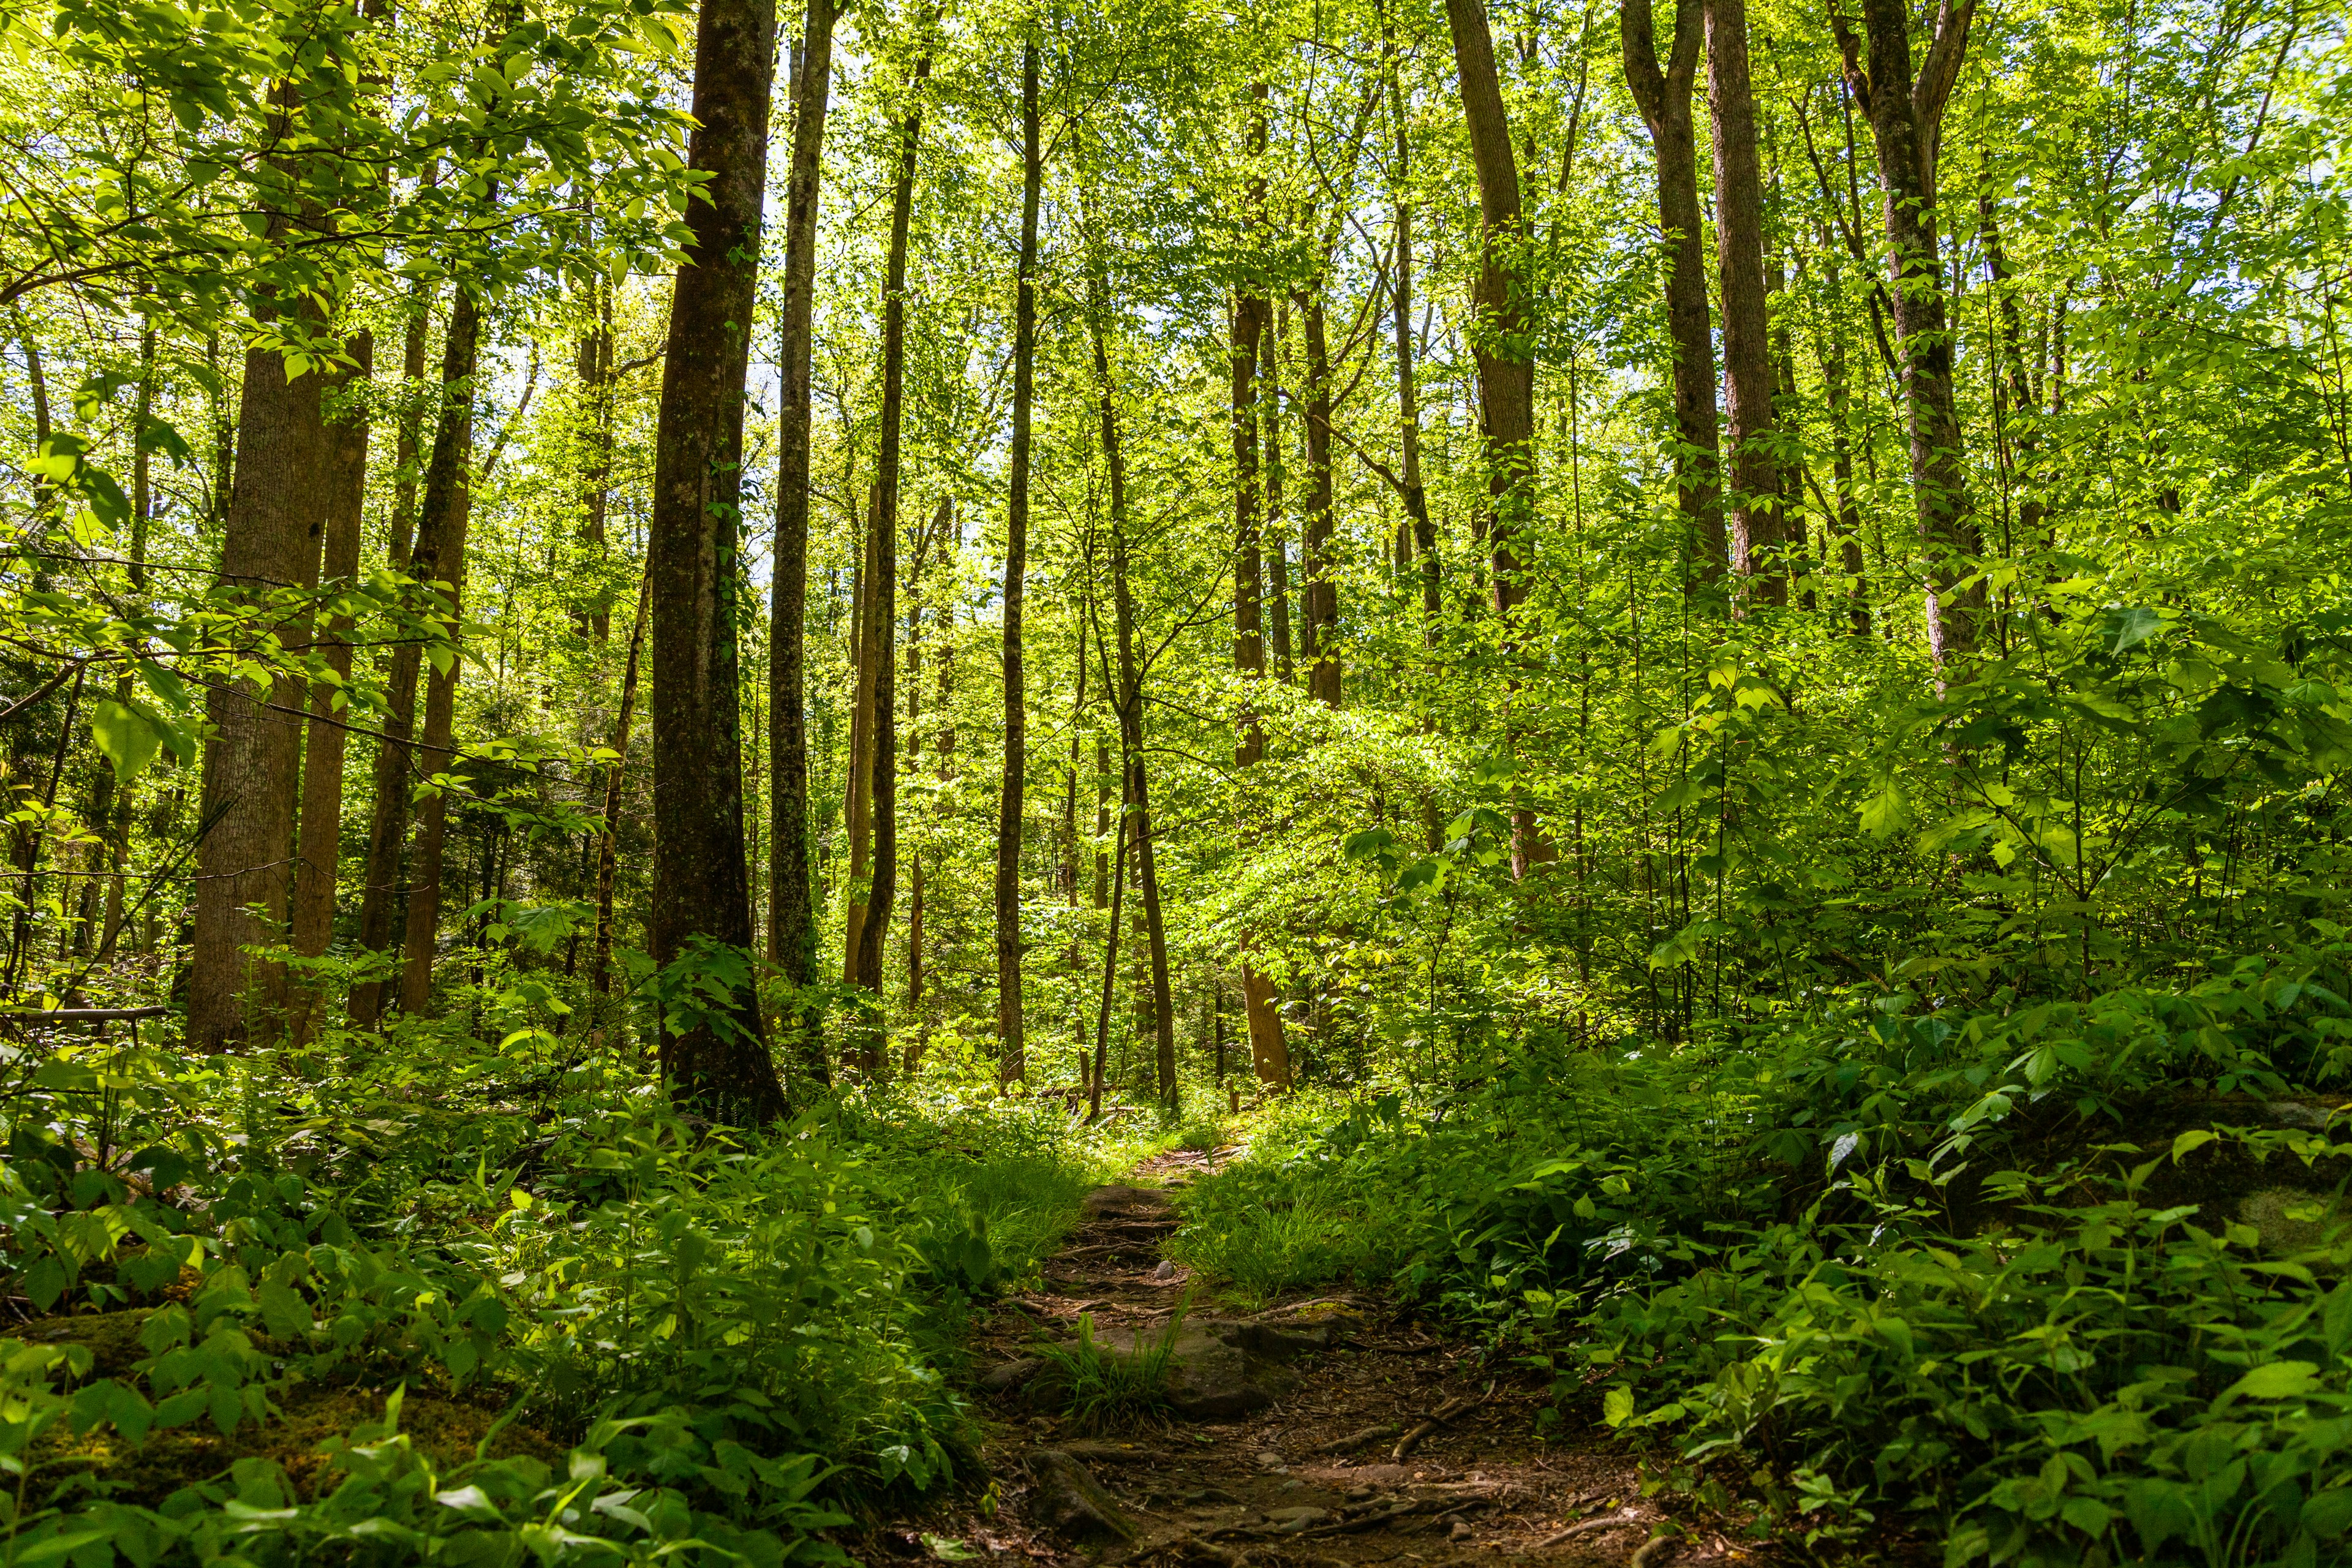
{"points": [[1758, 536], [1012, 1058], [791, 908], [1907, 121], [715, 1055], [1664, 100]]}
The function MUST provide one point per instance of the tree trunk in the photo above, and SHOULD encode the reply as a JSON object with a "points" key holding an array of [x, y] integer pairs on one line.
{"points": [[1111, 978], [718, 1065], [276, 519], [1503, 343], [858, 809], [882, 593], [1756, 543], [791, 906], [1273, 534], [1012, 1054], [440, 557], [2020, 425], [1846, 520], [1134, 778], [595, 620], [1905, 117], [142, 503], [600, 966], [1664, 99], [388, 817], [1320, 599], [321, 828], [1423, 532], [1249, 327]]}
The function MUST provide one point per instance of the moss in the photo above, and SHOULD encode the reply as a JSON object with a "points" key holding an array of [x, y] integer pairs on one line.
{"points": [[112, 1337], [147, 1472]]}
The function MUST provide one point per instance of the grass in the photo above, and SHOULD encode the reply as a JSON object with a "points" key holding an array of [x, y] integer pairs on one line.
{"points": [[1111, 1390]]}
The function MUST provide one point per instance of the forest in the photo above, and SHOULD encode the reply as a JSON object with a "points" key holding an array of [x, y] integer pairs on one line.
{"points": [[1178, 784]]}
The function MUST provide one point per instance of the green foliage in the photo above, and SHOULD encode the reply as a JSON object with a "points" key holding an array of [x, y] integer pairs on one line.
{"points": [[1110, 1390], [738, 1336]]}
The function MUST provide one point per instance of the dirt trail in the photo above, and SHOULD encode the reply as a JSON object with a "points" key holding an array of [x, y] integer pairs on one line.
{"points": [[1371, 1439]]}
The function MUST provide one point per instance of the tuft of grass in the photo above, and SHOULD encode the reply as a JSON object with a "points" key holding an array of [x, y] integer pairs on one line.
{"points": [[1108, 1389]]}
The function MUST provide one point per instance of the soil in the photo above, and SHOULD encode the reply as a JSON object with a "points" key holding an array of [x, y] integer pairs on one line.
{"points": [[1313, 1478]]}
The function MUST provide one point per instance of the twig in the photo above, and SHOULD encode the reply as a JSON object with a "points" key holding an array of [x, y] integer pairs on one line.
{"points": [[1358, 1439], [1436, 1418]]}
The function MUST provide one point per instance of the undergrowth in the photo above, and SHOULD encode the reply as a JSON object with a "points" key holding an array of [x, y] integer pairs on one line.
{"points": [[393, 1301], [2056, 1285], [1102, 1389]]}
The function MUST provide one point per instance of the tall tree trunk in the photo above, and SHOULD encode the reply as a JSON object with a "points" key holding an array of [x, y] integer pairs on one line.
{"points": [[1135, 791], [1273, 534], [596, 367], [142, 504], [1793, 479], [440, 557], [701, 881], [858, 809], [1503, 343], [599, 965], [914, 749], [1906, 118], [321, 828], [1012, 1062], [388, 816], [1115, 897], [883, 593], [1320, 599], [2020, 425], [1422, 529], [1249, 328], [1756, 501], [276, 519], [1664, 99], [791, 908], [1845, 520]]}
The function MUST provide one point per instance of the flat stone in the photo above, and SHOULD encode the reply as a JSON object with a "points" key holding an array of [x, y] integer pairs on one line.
{"points": [[1072, 1504], [1010, 1375]]}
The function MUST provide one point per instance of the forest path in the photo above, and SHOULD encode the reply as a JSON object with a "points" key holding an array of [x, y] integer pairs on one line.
{"points": [[1283, 1451]]}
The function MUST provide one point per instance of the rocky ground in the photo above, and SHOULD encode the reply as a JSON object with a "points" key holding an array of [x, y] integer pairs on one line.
{"points": [[1326, 1430]]}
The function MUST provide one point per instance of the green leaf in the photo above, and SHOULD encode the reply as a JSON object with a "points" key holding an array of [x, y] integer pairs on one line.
{"points": [[2194, 1139], [2133, 627], [126, 737], [2279, 1379], [1883, 814], [1617, 1406]]}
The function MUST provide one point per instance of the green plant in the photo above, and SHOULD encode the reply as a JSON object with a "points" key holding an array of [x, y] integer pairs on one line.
{"points": [[1115, 1388]]}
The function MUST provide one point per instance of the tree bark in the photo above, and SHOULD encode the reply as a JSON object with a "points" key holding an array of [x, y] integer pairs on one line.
{"points": [[1664, 100], [1846, 511], [276, 519], [1273, 533], [321, 828], [792, 906], [1756, 535], [1422, 529], [440, 557], [388, 817], [1503, 344], [1906, 118], [882, 593], [719, 1066], [1135, 781], [1012, 1055], [1249, 324], [858, 809], [1320, 598], [599, 965]]}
